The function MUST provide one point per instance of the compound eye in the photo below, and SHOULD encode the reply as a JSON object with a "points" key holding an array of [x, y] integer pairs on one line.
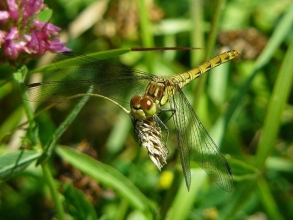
{"points": [[135, 100], [147, 105]]}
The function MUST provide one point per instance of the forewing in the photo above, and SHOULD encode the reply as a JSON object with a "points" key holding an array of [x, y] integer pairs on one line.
{"points": [[193, 139], [115, 82], [84, 67]]}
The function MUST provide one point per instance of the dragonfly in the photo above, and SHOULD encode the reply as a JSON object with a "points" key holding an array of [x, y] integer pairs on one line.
{"points": [[145, 95]]}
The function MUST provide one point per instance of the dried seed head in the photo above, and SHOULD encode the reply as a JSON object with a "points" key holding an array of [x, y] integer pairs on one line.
{"points": [[150, 136]]}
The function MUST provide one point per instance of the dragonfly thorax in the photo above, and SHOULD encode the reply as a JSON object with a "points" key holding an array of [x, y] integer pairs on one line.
{"points": [[142, 107], [157, 90]]}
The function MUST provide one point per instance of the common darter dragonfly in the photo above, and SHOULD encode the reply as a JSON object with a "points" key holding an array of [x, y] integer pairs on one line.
{"points": [[146, 95]]}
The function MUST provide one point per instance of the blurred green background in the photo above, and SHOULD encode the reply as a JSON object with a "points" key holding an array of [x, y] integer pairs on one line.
{"points": [[245, 105]]}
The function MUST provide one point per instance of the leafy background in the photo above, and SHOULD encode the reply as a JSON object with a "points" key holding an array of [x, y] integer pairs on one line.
{"points": [[246, 105]]}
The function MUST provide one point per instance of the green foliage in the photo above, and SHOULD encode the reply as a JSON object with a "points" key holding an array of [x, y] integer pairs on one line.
{"points": [[246, 105], [107, 176], [15, 162], [45, 15]]}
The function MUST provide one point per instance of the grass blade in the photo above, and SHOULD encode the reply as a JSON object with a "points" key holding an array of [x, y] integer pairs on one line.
{"points": [[276, 106], [108, 176]]}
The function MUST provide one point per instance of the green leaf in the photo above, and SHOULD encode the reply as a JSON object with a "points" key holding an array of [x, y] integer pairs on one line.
{"points": [[107, 176], [45, 15], [20, 74], [14, 162]]}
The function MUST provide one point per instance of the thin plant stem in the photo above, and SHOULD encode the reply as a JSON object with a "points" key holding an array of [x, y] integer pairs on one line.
{"points": [[54, 192]]}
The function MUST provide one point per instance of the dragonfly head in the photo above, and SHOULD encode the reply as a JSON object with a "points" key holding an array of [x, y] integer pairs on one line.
{"points": [[142, 107]]}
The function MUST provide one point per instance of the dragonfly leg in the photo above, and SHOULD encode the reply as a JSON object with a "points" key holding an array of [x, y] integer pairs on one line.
{"points": [[173, 111], [159, 121]]}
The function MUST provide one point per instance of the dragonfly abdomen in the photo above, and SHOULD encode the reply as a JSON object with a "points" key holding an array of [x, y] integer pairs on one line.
{"points": [[184, 78]]}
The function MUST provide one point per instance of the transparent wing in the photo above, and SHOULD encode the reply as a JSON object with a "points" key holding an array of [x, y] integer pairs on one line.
{"points": [[90, 68], [193, 139], [116, 82]]}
